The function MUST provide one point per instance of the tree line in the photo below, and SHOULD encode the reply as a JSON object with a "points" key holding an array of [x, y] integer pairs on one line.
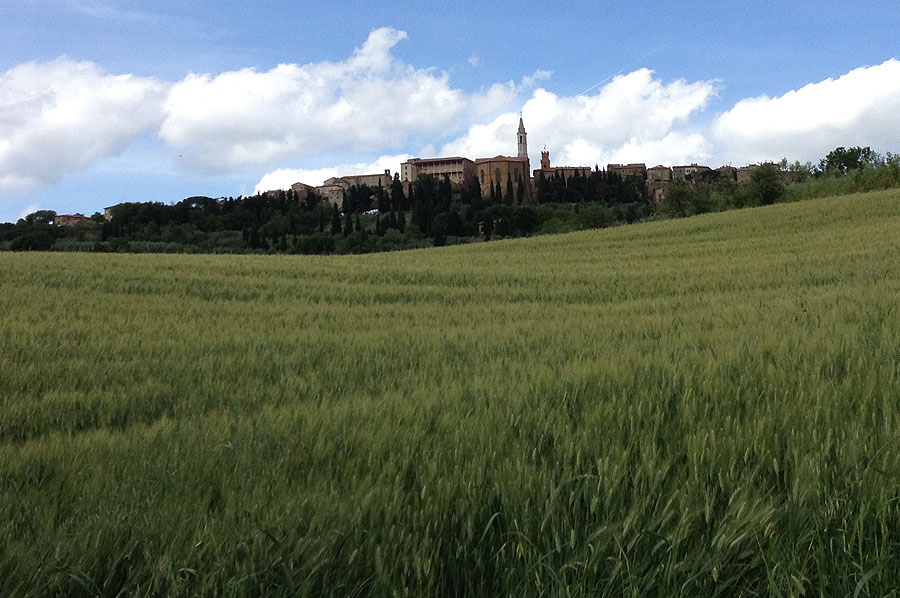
{"points": [[433, 211], [841, 171]]}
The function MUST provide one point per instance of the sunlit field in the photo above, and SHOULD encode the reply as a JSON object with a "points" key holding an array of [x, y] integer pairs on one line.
{"points": [[701, 407]]}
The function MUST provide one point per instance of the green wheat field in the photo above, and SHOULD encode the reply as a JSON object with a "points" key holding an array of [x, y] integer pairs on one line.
{"points": [[703, 407]]}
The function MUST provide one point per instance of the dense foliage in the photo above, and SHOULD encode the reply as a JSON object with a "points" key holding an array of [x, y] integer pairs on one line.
{"points": [[841, 172], [700, 407], [429, 213]]}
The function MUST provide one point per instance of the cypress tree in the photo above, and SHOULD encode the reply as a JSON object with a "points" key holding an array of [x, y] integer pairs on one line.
{"points": [[397, 198], [384, 199], [335, 220]]}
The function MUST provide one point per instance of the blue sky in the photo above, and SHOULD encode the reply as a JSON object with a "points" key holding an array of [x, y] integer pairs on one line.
{"points": [[103, 101]]}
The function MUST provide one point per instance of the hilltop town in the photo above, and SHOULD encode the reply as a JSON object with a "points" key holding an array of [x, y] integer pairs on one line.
{"points": [[501, 170], [445, 200]]}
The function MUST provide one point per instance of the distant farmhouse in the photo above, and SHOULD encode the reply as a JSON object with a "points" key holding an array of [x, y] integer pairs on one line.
{"points": [[69, 219]]}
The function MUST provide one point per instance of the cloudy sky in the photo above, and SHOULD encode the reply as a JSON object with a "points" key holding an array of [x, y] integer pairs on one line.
{"points": [[103, 101]]}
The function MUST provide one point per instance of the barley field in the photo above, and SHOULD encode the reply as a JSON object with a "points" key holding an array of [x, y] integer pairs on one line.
{"points": [[703, 407]]}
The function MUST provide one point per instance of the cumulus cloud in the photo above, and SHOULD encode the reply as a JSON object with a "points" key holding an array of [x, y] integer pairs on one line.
{"points": [[58, 117], [859, 108], [283, 178], [634, 117], [369, 102]]}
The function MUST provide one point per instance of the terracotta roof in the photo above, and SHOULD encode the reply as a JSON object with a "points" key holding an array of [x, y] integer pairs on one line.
{"points": [[450, 159], [500, 159]]}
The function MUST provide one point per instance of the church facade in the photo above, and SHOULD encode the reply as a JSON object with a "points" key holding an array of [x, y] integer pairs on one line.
{"points": [[508, 171]]}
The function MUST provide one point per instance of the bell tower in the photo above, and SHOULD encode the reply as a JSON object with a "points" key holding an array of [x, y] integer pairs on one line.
{"points": [[522, 139]]}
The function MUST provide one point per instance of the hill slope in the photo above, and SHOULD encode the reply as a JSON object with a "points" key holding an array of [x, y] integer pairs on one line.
{"points": [[694, 407]]}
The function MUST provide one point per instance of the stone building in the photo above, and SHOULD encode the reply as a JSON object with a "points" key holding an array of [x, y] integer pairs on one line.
{"points": [[564, 172], [458, 170], [372, 180], [627, 170], [499, 169], [333, 194], [660, 173], [69, 219], [786, 176], [743, 174], [727, 173], [302, 190], [680, 173], [522, 141]]}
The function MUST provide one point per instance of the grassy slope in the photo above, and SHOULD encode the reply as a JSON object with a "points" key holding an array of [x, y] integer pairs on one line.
{"points": [[692, 407]]}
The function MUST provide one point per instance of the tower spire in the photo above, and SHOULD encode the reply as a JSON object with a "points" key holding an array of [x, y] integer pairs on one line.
{"points": [[522, 139]]}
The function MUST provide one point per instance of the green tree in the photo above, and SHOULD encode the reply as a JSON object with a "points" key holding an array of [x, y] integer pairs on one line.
{"points": [[765, 182], [383, 199], [676, 198], [36, 239], [398, 200], [842, 160], [525, 220], [487, 227], [335, 220], [41, 217]]}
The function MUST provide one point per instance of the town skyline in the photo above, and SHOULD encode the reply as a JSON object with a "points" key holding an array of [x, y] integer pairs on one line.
{"points": [[90, 119]]}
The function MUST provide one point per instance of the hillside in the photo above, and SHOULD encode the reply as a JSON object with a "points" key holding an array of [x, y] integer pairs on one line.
{"points": [[704, 406]]}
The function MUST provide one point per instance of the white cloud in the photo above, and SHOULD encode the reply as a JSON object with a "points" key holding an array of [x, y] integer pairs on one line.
{"points": [[859, 108], [30, 209], [474, 60], [369, 102], [283, 178], [535, 77], [58, 117], [633, 118], [63, 116], [494, 138]]}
